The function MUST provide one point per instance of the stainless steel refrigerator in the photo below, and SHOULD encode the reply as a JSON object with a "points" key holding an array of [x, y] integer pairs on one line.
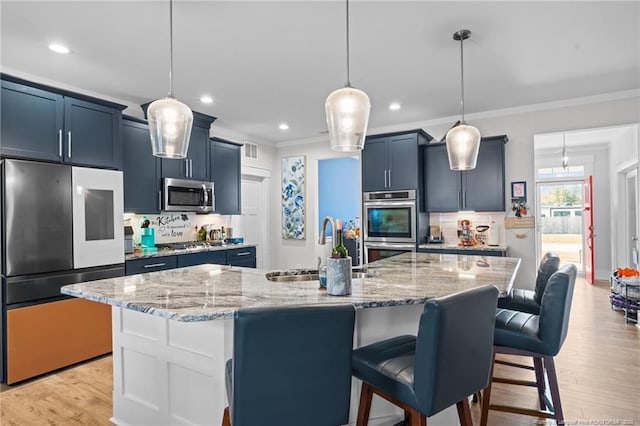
{"points": [[37, 228]]}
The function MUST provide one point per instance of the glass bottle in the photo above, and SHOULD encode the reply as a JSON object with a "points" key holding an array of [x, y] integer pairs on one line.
{"points": [[339, 251]]}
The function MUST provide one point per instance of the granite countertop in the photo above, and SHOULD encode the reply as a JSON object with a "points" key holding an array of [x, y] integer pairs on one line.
{"points": [[165, 251], [501, 247], [210, 292]]}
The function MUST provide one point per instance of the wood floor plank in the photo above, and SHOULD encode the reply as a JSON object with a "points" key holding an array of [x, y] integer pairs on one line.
{"points": [[598, 373]]}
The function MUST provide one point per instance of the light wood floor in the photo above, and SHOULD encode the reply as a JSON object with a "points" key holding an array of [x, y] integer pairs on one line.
{"points": [[598, 370]]}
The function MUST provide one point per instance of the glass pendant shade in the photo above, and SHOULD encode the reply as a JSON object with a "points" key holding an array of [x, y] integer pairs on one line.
{"points": [[463, 143], [347, 112], [170, 124]]}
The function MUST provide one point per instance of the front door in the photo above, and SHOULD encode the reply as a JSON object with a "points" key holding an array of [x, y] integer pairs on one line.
{"points": [[587, 208]]}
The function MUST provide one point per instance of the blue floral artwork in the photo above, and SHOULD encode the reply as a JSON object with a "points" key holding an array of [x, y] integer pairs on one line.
{"points": [[293, 176]]}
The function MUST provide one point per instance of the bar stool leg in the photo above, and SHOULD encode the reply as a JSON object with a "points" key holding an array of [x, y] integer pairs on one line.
{"points": [[537, 364], [550, 366], [464, 413], [225, 417], [486, 393], [366, 395]]}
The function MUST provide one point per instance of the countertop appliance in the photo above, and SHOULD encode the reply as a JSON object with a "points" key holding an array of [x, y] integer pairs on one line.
{"points": [[60, 225], [389, 223], [435, 235], [180, 195]]}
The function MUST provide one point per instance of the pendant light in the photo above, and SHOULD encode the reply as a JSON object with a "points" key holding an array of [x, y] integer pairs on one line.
{"points": [[564, 158], [463, 141], [169, 119], [347, 112]]}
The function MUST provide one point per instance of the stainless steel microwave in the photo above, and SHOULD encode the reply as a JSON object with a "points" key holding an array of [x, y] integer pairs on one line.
{"points": [[180, 195]]}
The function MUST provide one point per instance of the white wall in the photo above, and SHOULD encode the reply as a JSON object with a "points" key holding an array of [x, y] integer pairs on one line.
{"points": [[300, 253]]}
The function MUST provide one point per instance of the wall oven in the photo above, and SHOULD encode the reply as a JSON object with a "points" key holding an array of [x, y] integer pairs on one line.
{"points": [[390, 216], [181, 195], [389, 223]]}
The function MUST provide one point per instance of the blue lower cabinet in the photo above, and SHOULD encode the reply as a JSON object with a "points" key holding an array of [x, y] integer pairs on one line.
{"points": [[152, 264], [245, 257], [218, 257]]}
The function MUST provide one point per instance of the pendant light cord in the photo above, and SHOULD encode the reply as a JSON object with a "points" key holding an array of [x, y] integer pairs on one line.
{"points": [[462, 74], [171, 48], [348, 71]]}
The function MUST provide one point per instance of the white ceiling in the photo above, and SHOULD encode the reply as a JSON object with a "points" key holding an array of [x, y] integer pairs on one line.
{"points": [[267, 62]]}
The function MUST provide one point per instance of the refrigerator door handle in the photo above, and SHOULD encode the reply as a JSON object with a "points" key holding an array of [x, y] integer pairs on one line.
{"points": [[60, 143]]}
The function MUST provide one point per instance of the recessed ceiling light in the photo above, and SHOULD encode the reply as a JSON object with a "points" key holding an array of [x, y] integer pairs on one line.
{"points": [[59, 48], [394, 106], [284, 126], [206, 99]]}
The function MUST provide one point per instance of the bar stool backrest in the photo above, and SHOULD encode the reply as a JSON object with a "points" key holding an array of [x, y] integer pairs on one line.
{"points": [[548, 266], [555, 309], [292, 365], [454, 348]]}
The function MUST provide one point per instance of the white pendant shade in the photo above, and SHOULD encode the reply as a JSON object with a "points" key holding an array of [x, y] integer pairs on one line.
{"points": [[170, 124], [347, 112], [463, 143]]}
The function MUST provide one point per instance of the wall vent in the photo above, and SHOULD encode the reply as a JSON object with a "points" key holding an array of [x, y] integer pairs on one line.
{"points": [[250, 150]]}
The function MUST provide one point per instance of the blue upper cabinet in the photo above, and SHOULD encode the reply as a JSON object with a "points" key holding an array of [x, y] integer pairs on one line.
{"points": [[225, 172], [480, 189], [196, 165], [42, 123], [92, 134], [142, 191], [391, 162]]}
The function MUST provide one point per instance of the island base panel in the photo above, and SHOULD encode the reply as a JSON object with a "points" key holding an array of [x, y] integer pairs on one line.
{"points": [[167, 372]]}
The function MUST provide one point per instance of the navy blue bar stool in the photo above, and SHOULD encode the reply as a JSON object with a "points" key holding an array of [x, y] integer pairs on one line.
{"points": [[539, 337], [526, 300], [448, 360], [290, 366]]}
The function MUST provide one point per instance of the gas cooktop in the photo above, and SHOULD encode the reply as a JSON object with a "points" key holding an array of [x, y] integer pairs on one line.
{"points": [[189, 245]]}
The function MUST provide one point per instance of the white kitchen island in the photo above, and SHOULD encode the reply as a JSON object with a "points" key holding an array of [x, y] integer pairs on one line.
{"points": [[173, 330]]}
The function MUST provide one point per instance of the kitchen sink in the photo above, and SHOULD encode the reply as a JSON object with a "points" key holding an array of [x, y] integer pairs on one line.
{"points": [[307, 275]]}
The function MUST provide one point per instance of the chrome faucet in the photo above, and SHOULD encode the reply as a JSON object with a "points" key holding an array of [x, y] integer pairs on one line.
{"points": [[323, 232]]}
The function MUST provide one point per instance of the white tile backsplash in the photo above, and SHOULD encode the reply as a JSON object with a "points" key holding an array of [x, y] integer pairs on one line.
{"points": [[175, 227], [449, 223]]}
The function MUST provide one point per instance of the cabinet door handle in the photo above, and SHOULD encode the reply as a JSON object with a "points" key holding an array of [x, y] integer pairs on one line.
{"points": [[186, 167], [69, 137], [385, 178], [154, 265], [389, 178], [159, 201], [60, 143], [244, 253], [459, 198], [190, 168]]}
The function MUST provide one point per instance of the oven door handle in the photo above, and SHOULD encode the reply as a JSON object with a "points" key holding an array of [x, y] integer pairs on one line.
{"points": [[389, 203], [388, 246]]}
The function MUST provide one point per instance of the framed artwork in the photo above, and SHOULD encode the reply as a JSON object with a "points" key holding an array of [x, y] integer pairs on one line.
{"points": [[293, 197], [519, 191]]}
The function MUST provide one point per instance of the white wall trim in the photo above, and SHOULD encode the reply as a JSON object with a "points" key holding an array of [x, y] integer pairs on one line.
{"points": [[626, 166], [255, 171]]}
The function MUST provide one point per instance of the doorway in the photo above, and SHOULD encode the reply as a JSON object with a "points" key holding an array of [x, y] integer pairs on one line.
{"points": [[630, 207], [560, 227], [254, 213]]}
